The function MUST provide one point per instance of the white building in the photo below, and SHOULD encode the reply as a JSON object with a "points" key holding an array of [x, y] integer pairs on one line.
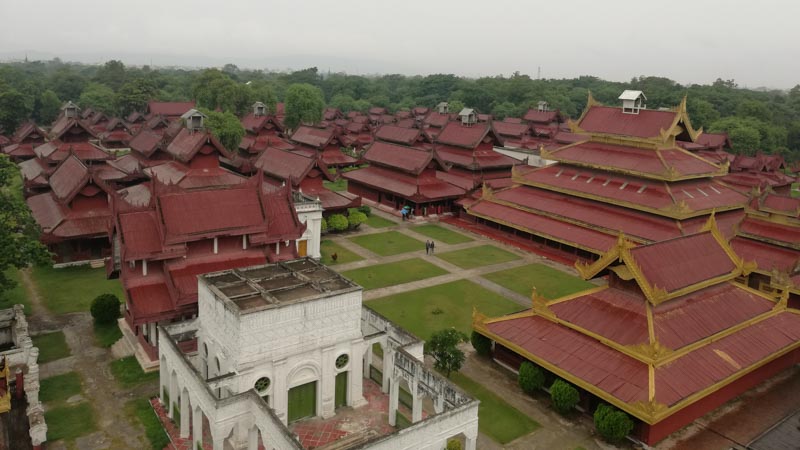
{"points": [[309, 211], [281, 346]]}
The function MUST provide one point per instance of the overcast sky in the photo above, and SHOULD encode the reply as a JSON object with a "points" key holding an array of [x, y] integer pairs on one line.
{"points": [[757, 43]]}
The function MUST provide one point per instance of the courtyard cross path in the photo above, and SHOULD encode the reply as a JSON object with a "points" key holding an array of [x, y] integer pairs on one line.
{"points": [[115, 430]]}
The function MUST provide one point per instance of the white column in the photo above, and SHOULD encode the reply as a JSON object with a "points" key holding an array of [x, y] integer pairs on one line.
{"points": [[173, 392], [327, 385], [163, 379], [367, 361], [252, 438], [197, 427], [185, 415], [144, 267], [217, 438], [355, 390], [472, 438], [280, 391], [416, 403], [394, 397], [216, 245], [388, 363]]}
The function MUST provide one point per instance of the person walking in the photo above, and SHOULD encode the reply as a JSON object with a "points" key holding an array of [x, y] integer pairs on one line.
{"points": [[427, 247], [432, 247]]}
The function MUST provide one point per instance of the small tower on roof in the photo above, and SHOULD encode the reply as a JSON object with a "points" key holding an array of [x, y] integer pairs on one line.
{"points": [[193, 119], [70, 110], [259, 109], [443, 108], [468, 116], [632, 101], [542, 106]]}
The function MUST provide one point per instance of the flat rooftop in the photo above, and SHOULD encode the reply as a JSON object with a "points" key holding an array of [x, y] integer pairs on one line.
{"points": [[268, 286]]}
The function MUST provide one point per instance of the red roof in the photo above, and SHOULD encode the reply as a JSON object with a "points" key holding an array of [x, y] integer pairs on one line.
{"points": [[475, 159], [398, 135], [210, 211], [68, 179], [766, 256], [643, 162], [414, 188], [33, 171], [285, 165], [66, 125], [26, 129], [140, 235], [253, 123], [510, 129], [169, 109], [610, 120], [57, 151], [313, 137], [454, 133], [770, 231], [188, 143], [437, 120], [781, 203], [534, 115], [407, 159], [335, 157], [714, 140], [682, 262], [19, 150], [149, 302]]}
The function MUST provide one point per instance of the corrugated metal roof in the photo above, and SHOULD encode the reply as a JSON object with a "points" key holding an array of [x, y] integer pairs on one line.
{"points": [[70, 176], [397, 134], [407, 159], [610, 120], [285, 165], [766, 256]]}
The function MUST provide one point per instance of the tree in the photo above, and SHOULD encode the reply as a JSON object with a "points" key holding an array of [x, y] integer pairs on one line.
{"points": [[344, 103], [134, 95], [13, 109], [337, 222], [19, 243], [49, 106], [443, 347], [356, 218], [323, 225], [112, 74], [530, 378], [304, 104], [481, 344], [612, 423], [105, 308], [564, 396], [98, 97], [67, 84], [226, 127]]}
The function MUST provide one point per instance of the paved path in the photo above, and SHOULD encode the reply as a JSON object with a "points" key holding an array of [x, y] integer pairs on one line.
{"points": [[115, 429]]}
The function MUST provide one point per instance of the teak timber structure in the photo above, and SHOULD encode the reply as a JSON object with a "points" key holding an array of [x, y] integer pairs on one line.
{"points": [[671, 337]]}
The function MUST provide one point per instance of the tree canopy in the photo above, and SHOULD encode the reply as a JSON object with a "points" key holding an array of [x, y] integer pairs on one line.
{"points": [[304, 104], [226, 127], [443, 347]]}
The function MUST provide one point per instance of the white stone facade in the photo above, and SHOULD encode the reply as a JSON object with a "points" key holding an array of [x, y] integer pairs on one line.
{"points": [[289, 323], [309, 211]]}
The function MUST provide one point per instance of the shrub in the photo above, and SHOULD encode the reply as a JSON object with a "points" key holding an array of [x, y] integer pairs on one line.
{"points": [[612, 423], [356, 218], [324, 225], [564, 396], [365, 209], [337, 222], [481, 344], [105, 308], [531, 377], [443, 347], [453, 444]]}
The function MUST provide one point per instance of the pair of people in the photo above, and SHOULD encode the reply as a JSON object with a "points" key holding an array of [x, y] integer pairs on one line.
{"points": [[429, 246]]}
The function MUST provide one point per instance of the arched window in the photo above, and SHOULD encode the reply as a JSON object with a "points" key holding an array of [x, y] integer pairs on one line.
{"points": [[262, 385]]}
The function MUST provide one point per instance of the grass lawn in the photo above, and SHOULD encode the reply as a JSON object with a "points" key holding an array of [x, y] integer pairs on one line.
{"points": [[59, 388], [438, 233], [344, 256], [388, 243], [496, 418], [550, 283], [425, 311], [128, 372], [72, 289], [140, 409], [106, 334], [69, 422], [376, 221], [15, 295], [390, 274], [483, 255], [338, 185], [52, 346]]}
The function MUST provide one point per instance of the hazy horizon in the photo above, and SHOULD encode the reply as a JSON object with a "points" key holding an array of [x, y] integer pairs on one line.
{"points": [[690, 42]]}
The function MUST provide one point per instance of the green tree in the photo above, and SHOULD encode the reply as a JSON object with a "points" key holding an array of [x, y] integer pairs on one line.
{"points": [[19, 243], [530, 378], [344, 103], [337, 222], [564, 396], [701, 112], [612, 423], [443, 347], [105, 308], [134, 95], [49, 106], [265, 93], [67, 84], [506, 109], [481, 344], [304, 104], [112, 74], [13, 108], [356, 218], [99, 97], [226, 127]]}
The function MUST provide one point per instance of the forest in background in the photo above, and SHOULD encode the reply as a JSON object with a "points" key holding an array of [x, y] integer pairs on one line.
{"points": [[756, 120]]}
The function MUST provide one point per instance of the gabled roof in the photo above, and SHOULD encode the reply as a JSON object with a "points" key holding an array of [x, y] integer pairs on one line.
{"points": [[398, 135], [436, 120], [285, 165], [58, 151], [415, 188], [69, 178], [25, 130], [475, 159], [169, 109], [406, 159], [456, 134], [188, 143], [135, 117], [674, 267], [313, 137], [253, 123], [65, 125], [510, 129], [541, 117], [145, 142]]}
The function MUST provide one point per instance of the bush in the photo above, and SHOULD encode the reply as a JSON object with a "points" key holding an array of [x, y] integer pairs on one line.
{"points": [[365, 209], [324, 225], [453, 444], [531, 378], [481, 344], [356, 218], [105, 308], [337, 222], [612, 423], [564, 396]]}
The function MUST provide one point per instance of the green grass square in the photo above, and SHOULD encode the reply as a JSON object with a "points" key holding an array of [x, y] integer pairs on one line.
{"points": [[337, 186], [59, 388], [52, 346], [427, 310], [550, 283], [343, 255], [106, 334], [496, 418], [129, 373], [17, 294], [441, 234], [400, 272], [141, 409], [72, 289], [388, 243], [376, 221], [482, 255], [69, 422]]}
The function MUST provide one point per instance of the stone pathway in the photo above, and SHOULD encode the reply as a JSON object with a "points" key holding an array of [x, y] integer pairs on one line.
{"points": [[115, 429]]}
